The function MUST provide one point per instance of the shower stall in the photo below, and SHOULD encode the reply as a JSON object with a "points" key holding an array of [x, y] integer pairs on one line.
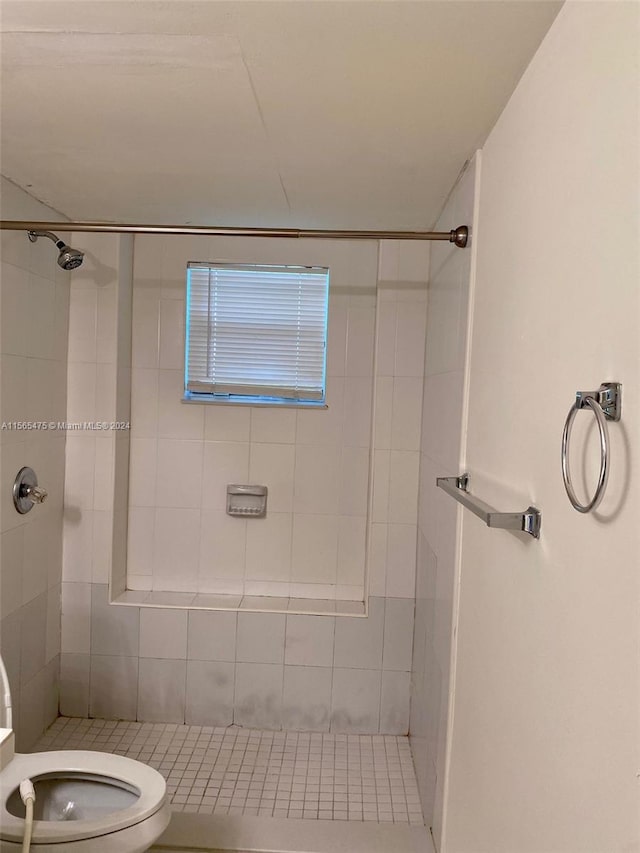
{"points": [[262, 665]]}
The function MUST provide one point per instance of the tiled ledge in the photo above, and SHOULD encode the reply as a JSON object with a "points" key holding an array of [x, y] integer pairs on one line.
{"points": [[244, 603]]}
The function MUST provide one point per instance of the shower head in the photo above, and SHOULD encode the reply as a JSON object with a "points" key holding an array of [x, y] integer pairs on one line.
{"points": [[68, 259]]}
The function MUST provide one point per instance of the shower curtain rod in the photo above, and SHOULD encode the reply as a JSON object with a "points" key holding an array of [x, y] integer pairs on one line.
{"points": [[458, 235]]}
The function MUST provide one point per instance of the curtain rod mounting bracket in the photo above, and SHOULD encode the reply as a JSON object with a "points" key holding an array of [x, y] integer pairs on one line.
{"points": [[459, 236]]}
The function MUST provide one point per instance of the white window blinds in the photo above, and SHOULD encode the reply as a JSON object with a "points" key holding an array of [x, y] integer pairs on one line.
{"points": [[256, 330]]}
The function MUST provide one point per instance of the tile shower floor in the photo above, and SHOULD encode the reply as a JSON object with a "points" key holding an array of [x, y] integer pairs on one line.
{"points": [[252, 772]]}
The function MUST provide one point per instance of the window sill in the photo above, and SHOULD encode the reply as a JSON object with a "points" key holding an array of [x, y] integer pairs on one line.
{"points": [[267, 403]]}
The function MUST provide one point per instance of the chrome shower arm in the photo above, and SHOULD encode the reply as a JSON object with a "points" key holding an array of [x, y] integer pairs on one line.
{"points": [[33, 236]]}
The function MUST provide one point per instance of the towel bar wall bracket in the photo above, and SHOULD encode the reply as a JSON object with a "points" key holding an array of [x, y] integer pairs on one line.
{"points": [[529, 521]]}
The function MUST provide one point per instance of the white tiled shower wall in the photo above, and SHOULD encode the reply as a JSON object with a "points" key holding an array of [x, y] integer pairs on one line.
{"points": [[442, 447], [207, 667], [271, 670], [98, 389], [34, 294], [311, 544]]}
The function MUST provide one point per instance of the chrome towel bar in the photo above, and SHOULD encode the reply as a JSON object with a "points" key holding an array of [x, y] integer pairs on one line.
{"points": [[529, 521]]}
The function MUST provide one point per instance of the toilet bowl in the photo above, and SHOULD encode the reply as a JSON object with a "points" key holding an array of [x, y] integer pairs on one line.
{"points": [[86, 802]]}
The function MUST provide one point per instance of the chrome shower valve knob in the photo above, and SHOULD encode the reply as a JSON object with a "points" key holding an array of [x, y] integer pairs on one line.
{"points": [[36, 494], [26, 491]]}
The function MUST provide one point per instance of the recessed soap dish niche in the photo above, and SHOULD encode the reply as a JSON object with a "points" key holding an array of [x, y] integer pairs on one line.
{"points": [[246, 501]]}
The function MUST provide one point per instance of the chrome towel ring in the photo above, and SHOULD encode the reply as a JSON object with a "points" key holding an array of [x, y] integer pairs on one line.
{"points": [[606, 404]]}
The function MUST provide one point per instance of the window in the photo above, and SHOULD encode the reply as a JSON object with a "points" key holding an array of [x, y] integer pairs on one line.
{"points": [[256, 333]]}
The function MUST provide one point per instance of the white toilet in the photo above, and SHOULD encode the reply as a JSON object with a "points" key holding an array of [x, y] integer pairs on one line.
{"points": [[86, 802]]}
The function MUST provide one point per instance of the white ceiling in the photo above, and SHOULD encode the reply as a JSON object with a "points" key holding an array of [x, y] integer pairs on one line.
{"points": [[303, 114]]}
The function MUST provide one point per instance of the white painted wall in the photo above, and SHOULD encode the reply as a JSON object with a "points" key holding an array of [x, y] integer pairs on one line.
{"points": [[545, 732]]}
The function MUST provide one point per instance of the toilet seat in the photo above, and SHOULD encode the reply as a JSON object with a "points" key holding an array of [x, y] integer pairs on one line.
{"points": [[114, 770]]}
